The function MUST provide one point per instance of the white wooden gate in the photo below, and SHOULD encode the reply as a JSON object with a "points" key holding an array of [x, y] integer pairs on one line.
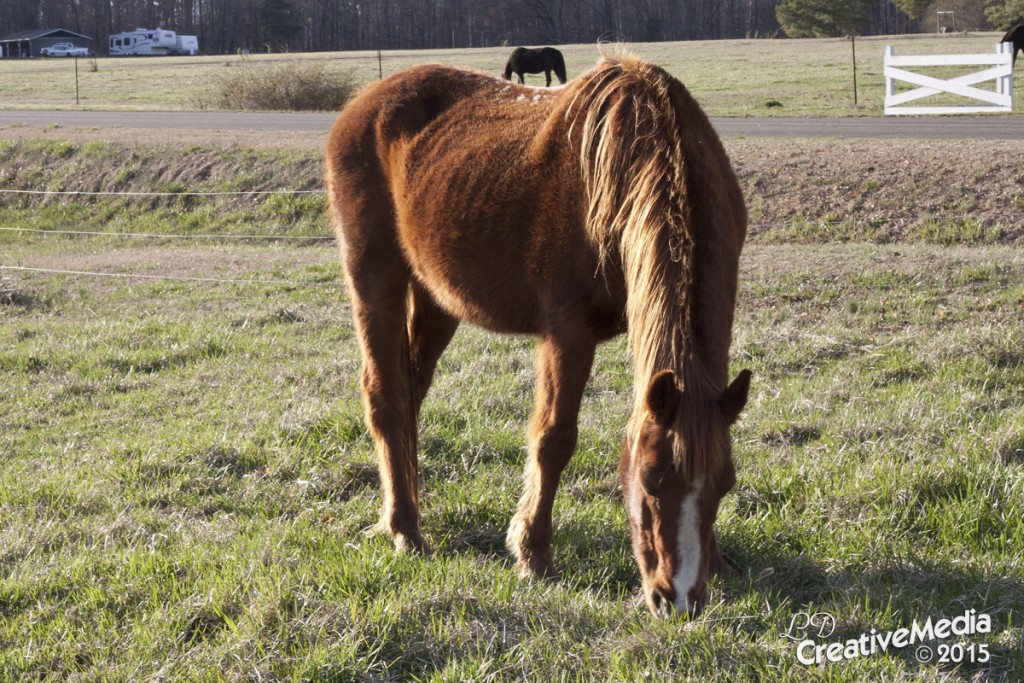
{"points": [[1000, 68]]}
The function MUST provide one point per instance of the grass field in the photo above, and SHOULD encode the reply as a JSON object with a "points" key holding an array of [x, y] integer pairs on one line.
{"points": [[186, 483], [729, 78]]}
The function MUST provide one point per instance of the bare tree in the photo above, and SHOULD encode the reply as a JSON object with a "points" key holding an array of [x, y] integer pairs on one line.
{"points": [[225, 26]]}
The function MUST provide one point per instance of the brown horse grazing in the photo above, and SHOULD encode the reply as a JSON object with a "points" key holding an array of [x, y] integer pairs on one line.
{"points": [[575, 215], [533, 61]]}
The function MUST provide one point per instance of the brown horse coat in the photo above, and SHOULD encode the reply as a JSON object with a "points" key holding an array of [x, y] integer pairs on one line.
{"points": [[573, 214]]}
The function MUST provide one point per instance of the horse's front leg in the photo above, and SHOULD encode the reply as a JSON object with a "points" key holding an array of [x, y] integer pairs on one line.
{"points": [[521, 80], [547, 75], [562, 369]]}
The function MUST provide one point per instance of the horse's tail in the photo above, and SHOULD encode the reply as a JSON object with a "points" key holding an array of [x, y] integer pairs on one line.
{"points": [[559, 66]]}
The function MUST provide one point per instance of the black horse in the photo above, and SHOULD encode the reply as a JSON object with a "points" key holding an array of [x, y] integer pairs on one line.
{"points": [[1016, 36], [535, 60]]}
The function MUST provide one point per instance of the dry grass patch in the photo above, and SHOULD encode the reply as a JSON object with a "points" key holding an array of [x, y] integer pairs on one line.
{"points": [[11, 295], [282, 86]]}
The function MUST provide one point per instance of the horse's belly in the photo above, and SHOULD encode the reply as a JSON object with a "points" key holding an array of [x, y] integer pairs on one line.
{"points": [[516, 281], [480, 290]]}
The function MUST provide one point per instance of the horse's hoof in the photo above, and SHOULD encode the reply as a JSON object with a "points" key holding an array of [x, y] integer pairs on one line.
{"points": [[537, 568], [411, 543], [405, 541]]}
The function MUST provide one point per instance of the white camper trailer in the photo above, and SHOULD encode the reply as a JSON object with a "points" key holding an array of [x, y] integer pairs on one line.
{"points": [[144, 41], [186, 45]]}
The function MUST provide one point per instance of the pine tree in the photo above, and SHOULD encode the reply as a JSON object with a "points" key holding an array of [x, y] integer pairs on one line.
{"points": [[1005, 13], [822, 18]]}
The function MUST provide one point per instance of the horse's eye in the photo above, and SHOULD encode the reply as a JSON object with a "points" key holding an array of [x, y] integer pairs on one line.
{"points": [[651, 478]]}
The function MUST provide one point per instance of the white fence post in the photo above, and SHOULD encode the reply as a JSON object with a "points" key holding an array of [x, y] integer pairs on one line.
{"points": [[1004, 84], [890, 83], [1000, 69]]}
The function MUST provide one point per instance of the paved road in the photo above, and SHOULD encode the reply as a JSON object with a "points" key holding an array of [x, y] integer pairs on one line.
{"points": [[951, 128]]}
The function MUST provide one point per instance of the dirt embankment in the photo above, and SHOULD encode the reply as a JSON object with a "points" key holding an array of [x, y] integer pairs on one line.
{"points": [[884, 190], [796, 189]]}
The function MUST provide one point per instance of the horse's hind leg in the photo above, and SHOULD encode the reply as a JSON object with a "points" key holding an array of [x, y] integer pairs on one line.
{"points": [[562, 369], [379, 286]]}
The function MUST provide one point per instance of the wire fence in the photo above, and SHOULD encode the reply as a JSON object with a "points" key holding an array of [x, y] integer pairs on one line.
{"points": [[800, 285], [168, 235], [119, 193], [874, 223], [829, 286], [753, 228], [163, 195], [173, 278], [69, 232], [870, 221]]}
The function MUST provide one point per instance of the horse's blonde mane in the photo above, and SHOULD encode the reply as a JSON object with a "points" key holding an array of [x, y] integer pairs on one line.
{"points": [[633, 168], [639, 217]]}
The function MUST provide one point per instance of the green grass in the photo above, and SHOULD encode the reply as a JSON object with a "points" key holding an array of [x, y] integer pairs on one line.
{"points": [[59, 166], [728, 77], [187, 483]]}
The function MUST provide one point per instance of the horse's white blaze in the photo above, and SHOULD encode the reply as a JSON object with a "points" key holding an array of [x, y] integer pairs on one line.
{"points": [[687, 548]]}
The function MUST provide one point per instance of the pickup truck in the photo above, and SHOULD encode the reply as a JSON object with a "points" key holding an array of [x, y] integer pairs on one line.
{"points": [[64, 50]]}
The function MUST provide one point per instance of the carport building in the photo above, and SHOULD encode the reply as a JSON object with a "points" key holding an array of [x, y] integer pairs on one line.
{"points": [[29, 43]]}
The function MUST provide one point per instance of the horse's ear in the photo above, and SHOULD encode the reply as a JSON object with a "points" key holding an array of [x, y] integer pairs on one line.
{"points": [[662, 396], [733, 399]]}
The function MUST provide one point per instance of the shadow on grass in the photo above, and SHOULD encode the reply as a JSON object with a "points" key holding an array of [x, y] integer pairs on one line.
{"points": [[13, 296], [1013, 452], [905, 591], [597, 561], [471, 508]]}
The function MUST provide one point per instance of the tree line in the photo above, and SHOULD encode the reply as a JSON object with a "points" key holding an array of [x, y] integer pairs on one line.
{"points": [[227, 26]]}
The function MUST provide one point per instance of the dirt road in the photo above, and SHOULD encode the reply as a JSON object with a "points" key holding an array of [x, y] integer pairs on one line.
{"points": [[933, 128]]}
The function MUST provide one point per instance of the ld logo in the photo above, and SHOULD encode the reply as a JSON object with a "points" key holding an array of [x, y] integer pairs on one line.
{"points": [[803, 626]]}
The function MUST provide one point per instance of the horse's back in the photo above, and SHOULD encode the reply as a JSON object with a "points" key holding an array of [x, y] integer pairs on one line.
{"points": [[370, 146], [392, 111], [391, 126], [468, 179]]}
